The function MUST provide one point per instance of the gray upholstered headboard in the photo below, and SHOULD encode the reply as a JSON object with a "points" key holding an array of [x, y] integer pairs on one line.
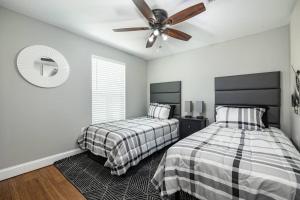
{"points": [[167, 93], [261, 90]]}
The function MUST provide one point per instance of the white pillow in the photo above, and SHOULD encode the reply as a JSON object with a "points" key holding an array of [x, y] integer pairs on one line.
{"points": [[240, 118], [160, 111]]}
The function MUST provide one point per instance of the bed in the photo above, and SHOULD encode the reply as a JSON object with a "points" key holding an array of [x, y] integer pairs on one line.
{"points": [[226, 163], [125, 143]]}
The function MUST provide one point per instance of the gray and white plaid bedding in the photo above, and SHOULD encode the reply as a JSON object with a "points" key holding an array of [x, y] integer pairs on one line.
{"points": [[221, 163], [125, 143]]}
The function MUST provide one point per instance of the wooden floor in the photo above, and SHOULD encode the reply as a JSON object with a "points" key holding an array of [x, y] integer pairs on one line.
{"points": [[45, 183]]}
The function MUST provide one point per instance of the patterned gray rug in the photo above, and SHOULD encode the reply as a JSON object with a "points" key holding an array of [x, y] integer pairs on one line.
{"points": [[88, 174]]}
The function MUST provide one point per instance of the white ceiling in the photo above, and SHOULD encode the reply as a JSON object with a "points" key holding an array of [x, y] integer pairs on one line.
{"points": [[224, 20]]}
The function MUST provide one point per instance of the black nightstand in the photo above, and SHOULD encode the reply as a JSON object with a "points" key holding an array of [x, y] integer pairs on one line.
{"points": [[189, 126]]}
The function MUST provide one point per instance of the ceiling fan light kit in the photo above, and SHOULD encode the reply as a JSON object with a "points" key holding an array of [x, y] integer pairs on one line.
{"points": [[159, 22], [156, 32], [151, 38], [164, 37]]}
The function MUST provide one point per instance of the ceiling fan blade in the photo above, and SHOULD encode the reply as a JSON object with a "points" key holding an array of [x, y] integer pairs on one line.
{"points": [[177, 34], [185, 14], [150, 43], [131, 29], [145, 10]]}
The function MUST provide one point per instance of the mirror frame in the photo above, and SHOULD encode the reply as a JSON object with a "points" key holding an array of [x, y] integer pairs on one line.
{"points": [[26, 62]]}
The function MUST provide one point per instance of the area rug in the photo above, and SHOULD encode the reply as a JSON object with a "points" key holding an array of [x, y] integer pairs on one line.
{"points": [[88, 174]]}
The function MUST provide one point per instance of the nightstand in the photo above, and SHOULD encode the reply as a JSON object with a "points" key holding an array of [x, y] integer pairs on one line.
{"points": [[189, 126]]}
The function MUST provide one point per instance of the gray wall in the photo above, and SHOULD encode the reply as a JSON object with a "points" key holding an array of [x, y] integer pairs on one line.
{"points": [[269, 51], [295, 61], [36, 122]]}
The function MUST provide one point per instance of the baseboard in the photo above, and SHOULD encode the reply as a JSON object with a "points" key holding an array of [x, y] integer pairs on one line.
{"points": [[36, 164]]}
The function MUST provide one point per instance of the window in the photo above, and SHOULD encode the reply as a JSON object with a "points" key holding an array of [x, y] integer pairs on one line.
{"points": [[108, 90]]}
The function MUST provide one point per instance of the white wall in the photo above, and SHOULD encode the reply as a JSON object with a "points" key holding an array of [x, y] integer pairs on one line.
{"points": [[295, 61], [265, 52], [36, 122]]}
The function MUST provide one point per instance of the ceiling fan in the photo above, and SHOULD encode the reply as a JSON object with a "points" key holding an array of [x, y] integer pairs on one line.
{"points": [[159, 22]]}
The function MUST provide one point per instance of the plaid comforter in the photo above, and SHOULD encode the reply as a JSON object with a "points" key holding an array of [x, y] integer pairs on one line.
{"points": [[222, 163], [125, 143]]}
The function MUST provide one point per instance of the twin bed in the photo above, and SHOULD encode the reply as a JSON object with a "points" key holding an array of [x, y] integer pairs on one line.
{"points": [[223, 163], [125, 143], [243, 155]]}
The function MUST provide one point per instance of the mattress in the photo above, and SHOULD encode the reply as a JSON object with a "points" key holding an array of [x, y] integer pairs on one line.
{"points": [[125, 143], [222, 163]]}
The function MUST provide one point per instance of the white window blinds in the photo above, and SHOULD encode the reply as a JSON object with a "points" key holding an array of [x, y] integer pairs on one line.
{"points": [[108, 90]]}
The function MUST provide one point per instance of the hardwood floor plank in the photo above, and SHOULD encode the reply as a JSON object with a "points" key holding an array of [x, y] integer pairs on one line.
{"points": [[5, 193], [45, 184], [14, 191], [18, 189], [65, 190], [37, 191]]}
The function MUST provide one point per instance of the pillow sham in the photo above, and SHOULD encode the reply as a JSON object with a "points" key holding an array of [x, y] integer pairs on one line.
{"points": [[240, 118], [160, 111], [264, 118]]}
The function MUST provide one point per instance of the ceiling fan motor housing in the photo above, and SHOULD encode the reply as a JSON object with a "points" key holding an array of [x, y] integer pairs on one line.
{"points": [[160, 15]]}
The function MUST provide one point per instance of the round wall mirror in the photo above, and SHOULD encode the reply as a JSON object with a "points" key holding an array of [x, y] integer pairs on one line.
{"points": [[43, 66]]}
